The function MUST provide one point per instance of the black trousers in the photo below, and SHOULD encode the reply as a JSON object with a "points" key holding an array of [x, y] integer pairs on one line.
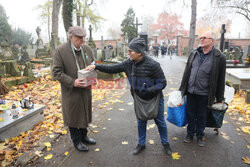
{"points": [[77, 134], [196, 114]]}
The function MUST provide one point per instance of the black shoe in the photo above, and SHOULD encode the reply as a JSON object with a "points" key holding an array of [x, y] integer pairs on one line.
{"points": [[188, 138], [167, 148], [88, 140], [201, 142], [138, 149], [81, 147]]}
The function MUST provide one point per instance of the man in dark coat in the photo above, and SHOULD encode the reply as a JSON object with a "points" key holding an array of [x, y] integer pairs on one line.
{"points": [[203, 82], [142, 70], [76, 98]]}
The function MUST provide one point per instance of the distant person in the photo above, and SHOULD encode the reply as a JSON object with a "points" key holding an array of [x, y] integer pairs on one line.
{"points": [[110, 46], [203, 82], [76, 98], [142, 70]]}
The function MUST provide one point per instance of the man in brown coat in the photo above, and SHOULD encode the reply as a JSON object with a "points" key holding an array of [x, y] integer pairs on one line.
{"points": [[76, 99]]}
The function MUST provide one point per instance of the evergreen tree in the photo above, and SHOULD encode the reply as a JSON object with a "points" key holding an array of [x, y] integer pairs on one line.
{"points": [[21, 37], [5, 29], [128, 25]]}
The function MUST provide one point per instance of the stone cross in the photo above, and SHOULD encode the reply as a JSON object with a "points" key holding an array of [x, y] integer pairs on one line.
{"points": [[137, 24]]}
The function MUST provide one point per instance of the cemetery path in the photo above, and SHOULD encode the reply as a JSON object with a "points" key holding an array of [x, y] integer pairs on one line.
{"points": [[119, 125]]}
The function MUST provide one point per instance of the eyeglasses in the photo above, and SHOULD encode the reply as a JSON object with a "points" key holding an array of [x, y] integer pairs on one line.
{"points": [[203, 38]]}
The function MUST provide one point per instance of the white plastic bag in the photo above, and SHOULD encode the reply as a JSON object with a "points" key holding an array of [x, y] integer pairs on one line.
{"points": [[175, 99], [229, 94]]}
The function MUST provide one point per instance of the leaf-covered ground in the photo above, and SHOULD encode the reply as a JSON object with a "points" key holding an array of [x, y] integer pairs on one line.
{"points": [[46, 92]]}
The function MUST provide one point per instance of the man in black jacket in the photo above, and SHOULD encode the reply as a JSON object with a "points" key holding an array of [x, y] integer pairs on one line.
{"points": [[142, 70], [203, 82]]}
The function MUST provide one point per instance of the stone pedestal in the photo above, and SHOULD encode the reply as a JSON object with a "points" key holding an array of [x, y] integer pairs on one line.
{"points": [[13, 127], [11, 68]]}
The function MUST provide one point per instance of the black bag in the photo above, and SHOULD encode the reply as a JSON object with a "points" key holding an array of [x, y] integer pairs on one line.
{"points": [[215, 117], [146, 109]]}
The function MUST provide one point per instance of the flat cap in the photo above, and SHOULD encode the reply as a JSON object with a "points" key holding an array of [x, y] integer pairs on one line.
{"points": [[77, 31]]}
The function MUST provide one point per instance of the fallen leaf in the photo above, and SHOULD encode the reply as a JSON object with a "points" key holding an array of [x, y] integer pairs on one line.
{"points": [[39, 153], [248, 146], [48, 148], [95, 131], [1, 119], [64, 132], [66, 153], [246, 160], [104, 128], [151, 142], [130, 103], [225, 122], [176, 156], [109, 119], [246, 129], [97, 150], [48, 156], [52, 136], [174, 138], [121, 109], [47, 144], [124, 142]]}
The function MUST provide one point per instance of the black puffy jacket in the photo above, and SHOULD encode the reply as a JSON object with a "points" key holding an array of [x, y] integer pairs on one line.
{"points": [[145, 77]]}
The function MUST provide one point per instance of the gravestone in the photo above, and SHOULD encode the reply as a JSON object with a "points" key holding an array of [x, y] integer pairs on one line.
{"points": [[24, 55], [25, 121], [246, 55], [237, 54], [2, 70], [239, 76], [11, 68], [28, 71]]}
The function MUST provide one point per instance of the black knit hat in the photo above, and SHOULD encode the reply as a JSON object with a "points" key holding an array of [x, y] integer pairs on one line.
{"points": [[137, 44]]}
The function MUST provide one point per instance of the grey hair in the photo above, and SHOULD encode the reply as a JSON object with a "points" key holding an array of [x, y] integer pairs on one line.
{"points": [[69, 35]]}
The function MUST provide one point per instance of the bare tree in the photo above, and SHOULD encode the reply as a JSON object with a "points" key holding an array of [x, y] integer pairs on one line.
{"points": [[192, 26], [238, 6]]}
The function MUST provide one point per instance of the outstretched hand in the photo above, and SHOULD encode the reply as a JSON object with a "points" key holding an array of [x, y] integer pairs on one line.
{"points": [[90, 68]]}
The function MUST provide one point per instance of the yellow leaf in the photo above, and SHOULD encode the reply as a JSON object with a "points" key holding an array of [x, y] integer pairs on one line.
{"points": [[66, 153], [47, 144], [109, 119], [174, 138], [124, 142], [246, 129], [95, 131], [48, 148], [248, 146], [176, 156], [1, 119], [48, 156], [97, 150], [151, 142], [64, 132], [121, 109], [104, 128], [246, 160], [130, 103], [50, 132]]}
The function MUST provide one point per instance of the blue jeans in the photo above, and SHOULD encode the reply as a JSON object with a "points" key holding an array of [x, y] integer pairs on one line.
{"points": [[159, 121], [196, 114]]}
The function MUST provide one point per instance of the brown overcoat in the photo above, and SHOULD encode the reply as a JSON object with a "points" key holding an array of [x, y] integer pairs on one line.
{"points": [[76, 102]]}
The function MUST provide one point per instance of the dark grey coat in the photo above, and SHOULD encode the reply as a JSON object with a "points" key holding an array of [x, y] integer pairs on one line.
{"points": [[216, 78], [76, 102]]}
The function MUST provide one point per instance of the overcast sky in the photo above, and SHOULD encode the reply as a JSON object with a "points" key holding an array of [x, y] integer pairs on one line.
{"points": [[23, 14]]}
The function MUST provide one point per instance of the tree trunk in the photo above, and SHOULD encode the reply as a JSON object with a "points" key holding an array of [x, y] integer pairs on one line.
{"points": [[67, 14], [48, 24], [192, 26], [55, 22]]}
